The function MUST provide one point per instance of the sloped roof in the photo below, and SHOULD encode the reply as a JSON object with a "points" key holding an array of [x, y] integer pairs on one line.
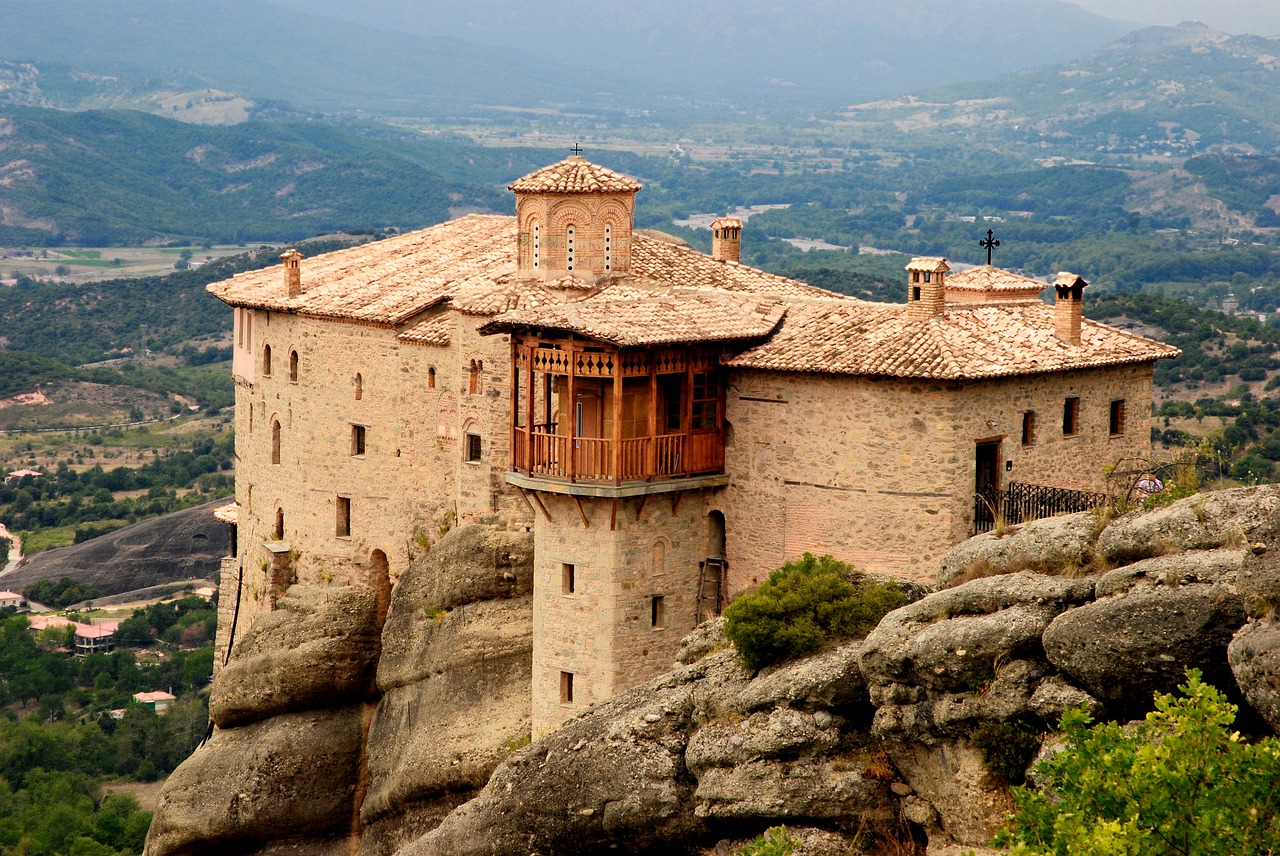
{"points": [[688, 268], [436, 330], [388, 281], [676, 317], [966, 342], [988, 278], [574, 174]]}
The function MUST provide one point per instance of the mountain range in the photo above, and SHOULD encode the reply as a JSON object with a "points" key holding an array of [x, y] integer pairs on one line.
{"points": [[618, 60]]}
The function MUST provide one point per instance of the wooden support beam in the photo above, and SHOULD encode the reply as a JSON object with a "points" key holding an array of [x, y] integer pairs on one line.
{"points": [[617, 417], [644, 500], [675, 501], [545, 513], [613, 517], [582, 512], [525, 497]]}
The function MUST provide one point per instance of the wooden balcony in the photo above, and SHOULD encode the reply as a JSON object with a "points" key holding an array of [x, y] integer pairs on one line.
{"points": [[604, 460]]}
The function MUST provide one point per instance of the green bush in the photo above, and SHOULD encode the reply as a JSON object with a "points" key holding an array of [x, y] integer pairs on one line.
{"points": [[775, 841], [802, 605], [1181, 782]]}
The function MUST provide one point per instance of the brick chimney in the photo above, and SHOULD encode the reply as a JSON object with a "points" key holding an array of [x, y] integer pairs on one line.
{"points": [[926, 287], [292, 272], [726, 239], [1068, 300]]}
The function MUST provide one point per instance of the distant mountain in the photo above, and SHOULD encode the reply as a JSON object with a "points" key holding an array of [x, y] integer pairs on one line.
{"points": [[1168, 92], [616, 60], [102, 178]]}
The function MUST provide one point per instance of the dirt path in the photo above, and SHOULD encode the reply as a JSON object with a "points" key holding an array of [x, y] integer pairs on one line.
{"points": [[15, 550]]}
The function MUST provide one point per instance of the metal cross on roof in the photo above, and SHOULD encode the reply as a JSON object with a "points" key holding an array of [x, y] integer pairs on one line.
{"points": [[577, 149], [988, 243]]}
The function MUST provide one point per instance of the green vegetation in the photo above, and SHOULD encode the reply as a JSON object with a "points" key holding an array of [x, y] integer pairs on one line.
{"points": [[59, 594], [775, 841], [59, 741], [802, 605], [1181, 782], [66, 500]]}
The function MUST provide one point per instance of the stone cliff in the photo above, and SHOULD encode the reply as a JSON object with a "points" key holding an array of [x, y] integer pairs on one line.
{"points": [[334, 737]]}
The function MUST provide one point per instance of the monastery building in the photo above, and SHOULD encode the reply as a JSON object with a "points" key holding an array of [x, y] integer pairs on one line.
{"points": [[672, 426]]}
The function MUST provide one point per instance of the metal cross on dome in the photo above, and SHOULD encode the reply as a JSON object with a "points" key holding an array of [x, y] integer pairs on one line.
{"points": [[577, 149], [988, 243]]}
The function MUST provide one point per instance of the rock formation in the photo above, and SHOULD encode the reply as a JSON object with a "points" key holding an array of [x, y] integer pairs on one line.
{"points": [[184, 545], [915, 731]]}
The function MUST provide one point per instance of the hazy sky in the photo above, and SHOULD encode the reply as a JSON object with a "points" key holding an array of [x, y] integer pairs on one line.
{"points": [[1260, 17]]}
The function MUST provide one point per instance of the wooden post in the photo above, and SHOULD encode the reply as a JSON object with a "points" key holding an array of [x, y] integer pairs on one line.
{"points": [[651, 464], [686, 417], [515, 403], [572, 415], [529, 410], [617, 418]]}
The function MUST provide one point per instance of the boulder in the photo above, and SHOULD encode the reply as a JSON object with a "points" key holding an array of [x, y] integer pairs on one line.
{"points": [[319, 648], [287, 782], [1235, 518], [1050, 545], [1254, 655], [1125, 647]]}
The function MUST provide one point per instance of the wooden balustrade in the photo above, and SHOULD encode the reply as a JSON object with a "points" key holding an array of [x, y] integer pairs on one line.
{"points": [[540, 453]]}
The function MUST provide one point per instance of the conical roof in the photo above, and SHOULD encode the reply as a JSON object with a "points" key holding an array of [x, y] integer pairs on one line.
{"points": [[574, 174]]}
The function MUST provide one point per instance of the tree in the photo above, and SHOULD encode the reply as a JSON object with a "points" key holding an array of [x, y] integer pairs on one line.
{"points": [[1180, 782]]}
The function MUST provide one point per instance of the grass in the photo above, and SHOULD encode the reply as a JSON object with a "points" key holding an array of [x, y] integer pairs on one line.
{"points": [[46, 539]]}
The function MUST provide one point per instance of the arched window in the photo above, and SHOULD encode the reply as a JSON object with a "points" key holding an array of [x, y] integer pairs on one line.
{"points": [[473, 386], [266, 361], [568, 247], [275, 441], [358, 382], [608, 247], [431, 377], [537, 246], [293, 366], [659, 557], [279, 530]]}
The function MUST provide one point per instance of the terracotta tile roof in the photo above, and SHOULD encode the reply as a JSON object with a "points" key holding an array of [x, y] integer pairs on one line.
{"points": [[674, 317], [929, 263], [967, 341], [726, 223], [229, 513], [574, 174], [158, 695], [433, 331], [685, 267], [388, 281], [989, 279]]}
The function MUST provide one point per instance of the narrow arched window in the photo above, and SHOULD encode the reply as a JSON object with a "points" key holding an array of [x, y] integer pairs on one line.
{"points": [[293, 366], [266, 361], [608, 248], [358, 383], [431, 377], [279, 530], [275, 441], [537, 246], [568, 247], [473, 386]]}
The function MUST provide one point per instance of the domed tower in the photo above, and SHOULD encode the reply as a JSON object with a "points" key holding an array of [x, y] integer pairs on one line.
{"points": [[575, 217]]}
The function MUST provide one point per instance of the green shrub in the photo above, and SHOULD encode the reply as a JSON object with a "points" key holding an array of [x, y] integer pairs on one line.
{"points": [[775, 841], [802, 605], [1181, 782]]}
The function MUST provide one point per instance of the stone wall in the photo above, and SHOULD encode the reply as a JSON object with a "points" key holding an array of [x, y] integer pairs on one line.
{"points": [[416, 405], [603, 631], [881, 472]]}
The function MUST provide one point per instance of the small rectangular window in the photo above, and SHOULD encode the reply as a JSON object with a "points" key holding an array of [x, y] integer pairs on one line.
{"points": [[566, 687], [658, 611], [343, 529], [566, 578], [473, 447], [1028, 428], [1117, 416], [357, 439], [1070, 416]]}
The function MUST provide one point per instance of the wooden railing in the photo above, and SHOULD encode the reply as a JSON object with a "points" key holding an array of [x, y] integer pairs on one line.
{"points": [[592, 459]]}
